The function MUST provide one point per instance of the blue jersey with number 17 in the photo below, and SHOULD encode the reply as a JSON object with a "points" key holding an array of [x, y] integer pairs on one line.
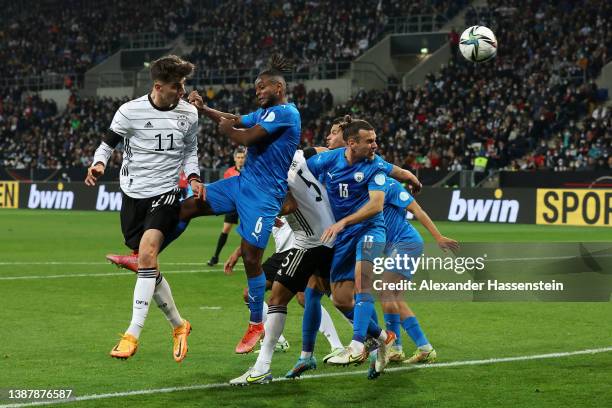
{"points": [[348, 186], [268, 160]]}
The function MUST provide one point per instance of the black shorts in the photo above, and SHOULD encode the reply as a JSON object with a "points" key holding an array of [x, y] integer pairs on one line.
{"points": [[231, 218], [140, 214], [273, 264], [299, 264]]}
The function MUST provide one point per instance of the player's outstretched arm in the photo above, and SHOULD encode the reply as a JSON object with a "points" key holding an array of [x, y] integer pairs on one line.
{"points": [[406, 176], [443, 242], [374, 206], [196, 100], [245, 137]]}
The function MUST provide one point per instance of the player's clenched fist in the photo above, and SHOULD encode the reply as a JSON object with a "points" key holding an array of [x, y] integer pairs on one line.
{"points": [[196, 100], [93, 174], [199, 191]]}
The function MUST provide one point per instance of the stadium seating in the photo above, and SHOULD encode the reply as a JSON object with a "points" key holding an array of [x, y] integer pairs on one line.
{"points": [[46, 45], [535, 106], [64, 39]]}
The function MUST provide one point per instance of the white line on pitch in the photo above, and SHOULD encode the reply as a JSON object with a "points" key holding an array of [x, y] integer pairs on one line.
{"points": [[311, 376], [89, 275]]}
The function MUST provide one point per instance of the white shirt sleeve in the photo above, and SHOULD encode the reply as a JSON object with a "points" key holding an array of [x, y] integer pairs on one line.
{"points": [[121, 124], [102, 154], [190, 154]]}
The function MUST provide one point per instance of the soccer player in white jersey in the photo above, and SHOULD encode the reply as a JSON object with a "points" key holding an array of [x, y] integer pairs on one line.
{"points": [[308, 257], [160, 133]]}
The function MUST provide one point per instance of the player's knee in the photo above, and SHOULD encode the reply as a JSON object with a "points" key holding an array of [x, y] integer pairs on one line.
{"points": [[280, 295], [390, 307], [251, 261], [343, 303], [319, 284], [278, 299], [147, 256]]}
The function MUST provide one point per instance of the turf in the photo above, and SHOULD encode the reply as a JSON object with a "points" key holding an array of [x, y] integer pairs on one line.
{"points": [[57, 332]]}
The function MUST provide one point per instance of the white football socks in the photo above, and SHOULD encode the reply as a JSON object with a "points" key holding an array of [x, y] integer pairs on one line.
{"points": [[357, 346], [329, 330], [165, 301], [264, 312], [143, 292], [282, 338], [275, 323]]}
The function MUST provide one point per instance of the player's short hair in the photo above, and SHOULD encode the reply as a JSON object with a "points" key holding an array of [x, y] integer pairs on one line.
{"points": [[338, 121], [277, 67], [240, 150], [351, 127], [171, 69]]}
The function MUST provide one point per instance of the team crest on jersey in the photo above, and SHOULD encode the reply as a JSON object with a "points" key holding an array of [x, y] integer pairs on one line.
{"points": [[404, 196], [269, 116], [359, 177], [182, 122], [380, 179]]}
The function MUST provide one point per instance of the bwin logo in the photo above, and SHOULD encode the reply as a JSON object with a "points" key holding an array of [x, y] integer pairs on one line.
{"points": [[59, 200], [108, 200], [483, 210]]}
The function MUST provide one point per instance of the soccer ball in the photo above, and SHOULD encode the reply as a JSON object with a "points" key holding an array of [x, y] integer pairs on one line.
{"points": [[478, 44]]}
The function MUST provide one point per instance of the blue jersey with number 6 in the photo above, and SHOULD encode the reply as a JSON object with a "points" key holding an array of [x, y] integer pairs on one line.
{"points": [[268, 161], [257, 193]]}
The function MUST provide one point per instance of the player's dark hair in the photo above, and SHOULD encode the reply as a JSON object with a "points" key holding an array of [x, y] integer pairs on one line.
{"points": [[339, 120], [277, 66], [240, 149], [171, 69], [351, 127]]}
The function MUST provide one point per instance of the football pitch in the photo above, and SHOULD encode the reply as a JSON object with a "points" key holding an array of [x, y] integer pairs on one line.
{"points": [[63, 305]]}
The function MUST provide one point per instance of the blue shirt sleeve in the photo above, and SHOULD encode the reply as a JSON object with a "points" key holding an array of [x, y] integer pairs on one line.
{"points": [[316, 165], [276, 119], [398, 196], [249, 120], [384, 166], [378, 182]]}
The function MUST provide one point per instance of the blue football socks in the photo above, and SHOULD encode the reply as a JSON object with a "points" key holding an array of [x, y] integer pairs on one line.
{"points": [[257, 289], [311, 321]]}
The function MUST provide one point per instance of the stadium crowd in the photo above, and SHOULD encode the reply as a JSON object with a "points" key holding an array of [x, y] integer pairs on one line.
{"points": [[39, 38], [535, 106], [425, 127], [42, 39], [307, 32], [523, 111]]}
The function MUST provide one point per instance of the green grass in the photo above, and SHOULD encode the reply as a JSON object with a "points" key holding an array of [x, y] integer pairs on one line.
{"points": [[56, 333]]}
